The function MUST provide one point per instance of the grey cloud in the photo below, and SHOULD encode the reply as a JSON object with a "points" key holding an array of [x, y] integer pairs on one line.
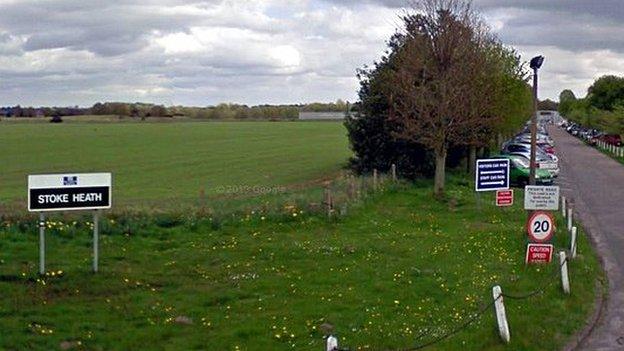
{"points": [[79, 52]]}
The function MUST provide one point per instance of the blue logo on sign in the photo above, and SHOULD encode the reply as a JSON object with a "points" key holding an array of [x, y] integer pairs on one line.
{"points": [[73, 180]]}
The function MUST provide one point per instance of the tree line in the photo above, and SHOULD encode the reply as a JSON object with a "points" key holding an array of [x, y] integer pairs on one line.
{"points": [[445, 88], [602, 108], [145, 110]]}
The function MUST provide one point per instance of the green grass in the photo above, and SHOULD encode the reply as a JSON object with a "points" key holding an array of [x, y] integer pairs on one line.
{"points": [[396, 267], [169, 164]]}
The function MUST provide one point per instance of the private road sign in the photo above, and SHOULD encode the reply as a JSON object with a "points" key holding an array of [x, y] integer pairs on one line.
{"points": [[541, 197]]}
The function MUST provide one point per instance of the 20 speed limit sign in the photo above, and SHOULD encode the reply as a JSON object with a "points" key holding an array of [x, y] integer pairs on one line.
{"points": [[541, 226]]}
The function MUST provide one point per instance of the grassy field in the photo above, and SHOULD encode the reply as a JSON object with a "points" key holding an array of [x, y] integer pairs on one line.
{"points": [[397, 271], [169, 164]]}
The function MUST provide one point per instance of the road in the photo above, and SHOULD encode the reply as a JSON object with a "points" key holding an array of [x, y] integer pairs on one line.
{"points": [[595, 183]]}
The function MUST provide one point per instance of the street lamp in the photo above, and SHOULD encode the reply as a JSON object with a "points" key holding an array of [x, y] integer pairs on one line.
{"points": [[535, 64]]}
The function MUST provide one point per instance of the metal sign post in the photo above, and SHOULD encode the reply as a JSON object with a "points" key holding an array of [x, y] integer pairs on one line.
{"points": [[69, 192], [96, 229], [42, 243]]}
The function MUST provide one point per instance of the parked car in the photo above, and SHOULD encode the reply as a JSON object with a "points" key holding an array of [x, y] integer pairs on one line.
{"points": [[522, 147], [612, 139], [544, 161], [519, 171]]}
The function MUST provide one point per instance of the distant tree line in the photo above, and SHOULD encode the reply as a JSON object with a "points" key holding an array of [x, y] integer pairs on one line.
{"points": [[602, 108], [144, 110]]}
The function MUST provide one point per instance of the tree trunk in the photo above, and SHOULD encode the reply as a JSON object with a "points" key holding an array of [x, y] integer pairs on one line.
{"points": [[440, 170], [472, 160]]}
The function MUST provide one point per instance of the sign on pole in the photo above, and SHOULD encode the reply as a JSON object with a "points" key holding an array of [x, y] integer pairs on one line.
{"points": [[504, 197], [66, 192], [492, 174], [539, 253], [69, 192], [540, 226], [541, 197]]}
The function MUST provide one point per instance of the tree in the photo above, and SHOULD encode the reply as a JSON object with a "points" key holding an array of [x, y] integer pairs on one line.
{"points": [[158, 111], [566, 102], [371, 132], [606, 93], [441, 87], [547, 105]]}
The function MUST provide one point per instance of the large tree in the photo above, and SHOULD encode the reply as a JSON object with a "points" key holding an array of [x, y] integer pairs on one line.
{"points": [[606, 93], [566, 101], [442, 87]]}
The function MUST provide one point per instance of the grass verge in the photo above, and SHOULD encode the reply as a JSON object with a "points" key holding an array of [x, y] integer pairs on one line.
{"points": [[399, 270]]}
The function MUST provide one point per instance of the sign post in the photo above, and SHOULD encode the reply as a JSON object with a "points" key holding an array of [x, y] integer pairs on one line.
{"points": [[539, 253], [69, 192], [540, 226], [541, 197], [492, 174], [96, 239], [504, 198], [42, 225]]}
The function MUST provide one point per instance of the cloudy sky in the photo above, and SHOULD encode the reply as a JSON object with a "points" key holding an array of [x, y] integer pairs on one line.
{"points": [[77, 52]]}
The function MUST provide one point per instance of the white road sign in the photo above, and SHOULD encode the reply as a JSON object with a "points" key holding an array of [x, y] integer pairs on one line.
{"points": [[541, 197], [73, 191], [540, 227]]}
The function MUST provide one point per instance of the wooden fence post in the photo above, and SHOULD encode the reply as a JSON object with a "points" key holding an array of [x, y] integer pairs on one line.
{"points": [[394, 174], [375, 178], [573, 242], [565, 279], [501, 317], [328, 201]]}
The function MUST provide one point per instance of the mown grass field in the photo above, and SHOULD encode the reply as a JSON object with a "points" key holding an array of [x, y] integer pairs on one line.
{"points": [[395, 272], [169, 164]]}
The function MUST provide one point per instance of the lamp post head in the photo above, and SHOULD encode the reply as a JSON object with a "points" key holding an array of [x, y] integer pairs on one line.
{"points": [[537, 62]]}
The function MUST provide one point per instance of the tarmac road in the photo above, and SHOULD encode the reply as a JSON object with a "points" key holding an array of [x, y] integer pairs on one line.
{"points": [[595, 183]]}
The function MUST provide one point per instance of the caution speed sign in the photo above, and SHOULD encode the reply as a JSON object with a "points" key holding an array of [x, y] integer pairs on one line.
{"points": [[541, 226]]}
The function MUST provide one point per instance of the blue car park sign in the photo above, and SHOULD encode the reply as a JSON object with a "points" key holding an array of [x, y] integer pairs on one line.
{"points": [[492, 174]]}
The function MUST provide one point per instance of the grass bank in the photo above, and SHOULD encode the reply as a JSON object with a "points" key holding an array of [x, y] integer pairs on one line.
{"points": [[396, 271]]}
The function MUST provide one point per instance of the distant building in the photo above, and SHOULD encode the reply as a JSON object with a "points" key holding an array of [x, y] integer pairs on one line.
{"points": [[548, 116], [321, 115]]}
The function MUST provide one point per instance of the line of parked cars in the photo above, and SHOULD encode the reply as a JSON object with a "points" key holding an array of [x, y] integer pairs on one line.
{"points": [[518, 151], [590, 135]]}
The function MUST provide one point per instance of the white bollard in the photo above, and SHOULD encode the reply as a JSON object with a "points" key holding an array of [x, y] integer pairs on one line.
{"points": [[501, 317], [565, 280], [569, 218], [573, 242], [563, 206], [332, 343]]}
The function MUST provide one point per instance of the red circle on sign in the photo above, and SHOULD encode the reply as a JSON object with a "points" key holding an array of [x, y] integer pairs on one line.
{"points": [[541, 226]]}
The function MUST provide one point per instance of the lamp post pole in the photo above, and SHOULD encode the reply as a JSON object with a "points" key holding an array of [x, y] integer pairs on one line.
{"points": [[536, 63]]}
